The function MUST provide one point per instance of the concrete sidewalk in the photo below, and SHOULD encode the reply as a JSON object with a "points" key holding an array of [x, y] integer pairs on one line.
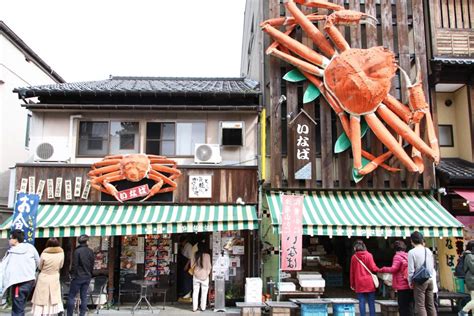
{"points": [[171, 310]]}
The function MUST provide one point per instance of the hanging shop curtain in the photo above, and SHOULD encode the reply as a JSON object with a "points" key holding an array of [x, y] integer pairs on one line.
{"points": [[112, 220], [361, 213]]}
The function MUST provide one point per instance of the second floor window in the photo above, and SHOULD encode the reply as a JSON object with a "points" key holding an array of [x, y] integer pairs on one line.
{"points": [[174, 139], [101, 138]]}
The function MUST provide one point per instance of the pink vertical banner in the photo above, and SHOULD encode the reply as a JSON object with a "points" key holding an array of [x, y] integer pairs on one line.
{"points": [[291, 232]]}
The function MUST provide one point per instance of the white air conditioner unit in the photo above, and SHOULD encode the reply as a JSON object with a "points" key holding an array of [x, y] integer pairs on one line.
{"points": [[207, 153], [54, 149]]}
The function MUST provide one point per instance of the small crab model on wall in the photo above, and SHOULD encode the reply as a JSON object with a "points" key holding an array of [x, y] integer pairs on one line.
{"points": [[356, 84], [134, 167]]}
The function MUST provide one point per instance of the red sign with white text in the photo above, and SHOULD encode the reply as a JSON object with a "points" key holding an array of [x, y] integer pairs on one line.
{"points": [[133, 193], [291, 232]]}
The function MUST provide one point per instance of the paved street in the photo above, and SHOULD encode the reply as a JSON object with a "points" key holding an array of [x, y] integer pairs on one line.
{"points": [[177, 309]]}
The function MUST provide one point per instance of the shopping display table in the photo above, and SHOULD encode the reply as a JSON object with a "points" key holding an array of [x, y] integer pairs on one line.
{"points": [[388, 307], [250, 309], [281, 308], [452, 297]]}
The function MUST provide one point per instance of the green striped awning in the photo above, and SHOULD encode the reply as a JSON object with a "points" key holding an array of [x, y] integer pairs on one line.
{"points": [[359, 213], [112, 220]]}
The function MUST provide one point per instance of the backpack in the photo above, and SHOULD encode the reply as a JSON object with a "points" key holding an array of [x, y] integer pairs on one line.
{"points": [[459, 269]]}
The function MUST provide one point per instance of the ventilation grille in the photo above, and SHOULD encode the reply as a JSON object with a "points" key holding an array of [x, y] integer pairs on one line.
{"points": [[204, 152], [45, 151]]}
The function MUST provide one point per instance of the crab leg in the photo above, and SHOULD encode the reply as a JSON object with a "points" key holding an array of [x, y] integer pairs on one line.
{"points": [[305, 66], [415, 153], [154, 189], [104, 170], [388, 140], [311, 30], [167, 180], [107, 187], [175, 173], [105, 163], [432, 136], [402, 129], [376, 161], [399, 108], [355, 142], [343, 17], [291, 21], [295, 46]]}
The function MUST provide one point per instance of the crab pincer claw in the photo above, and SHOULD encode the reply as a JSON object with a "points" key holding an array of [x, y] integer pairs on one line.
{"points": [[350, 17]]}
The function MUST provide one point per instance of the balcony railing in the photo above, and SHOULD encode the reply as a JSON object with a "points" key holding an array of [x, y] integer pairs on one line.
{"points": [[452, 28]]}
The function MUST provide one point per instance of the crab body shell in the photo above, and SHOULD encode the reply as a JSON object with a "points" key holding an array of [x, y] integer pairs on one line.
{"points": [[360, 79], [134, 168]]}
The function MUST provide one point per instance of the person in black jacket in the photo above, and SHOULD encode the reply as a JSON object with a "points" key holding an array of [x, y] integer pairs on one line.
{"points": [[81, 274]]}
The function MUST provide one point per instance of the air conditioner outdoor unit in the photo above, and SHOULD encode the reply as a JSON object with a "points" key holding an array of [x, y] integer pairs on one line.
{"points": [[207, 153], [51, 150]]}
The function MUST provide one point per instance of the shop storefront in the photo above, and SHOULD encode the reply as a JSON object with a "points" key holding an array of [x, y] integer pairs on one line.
{"points": [[333, 220], [143, 238]]}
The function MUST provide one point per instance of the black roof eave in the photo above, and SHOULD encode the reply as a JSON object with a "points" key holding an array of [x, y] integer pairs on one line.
{"points": [[143, 107], [26, 93]]}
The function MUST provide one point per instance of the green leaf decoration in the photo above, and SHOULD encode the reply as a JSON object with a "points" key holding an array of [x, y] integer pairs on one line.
{"points": [[343, 142], [311, 93], [355, 174], [294, 76]]}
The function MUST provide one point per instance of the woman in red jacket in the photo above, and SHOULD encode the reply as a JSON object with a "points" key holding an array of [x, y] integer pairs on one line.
{"points": [[361, 280], [399, 270]]}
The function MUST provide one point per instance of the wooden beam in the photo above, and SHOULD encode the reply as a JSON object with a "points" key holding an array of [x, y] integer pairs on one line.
{"points": [[275, 109], [420, 52], [435, 22]]}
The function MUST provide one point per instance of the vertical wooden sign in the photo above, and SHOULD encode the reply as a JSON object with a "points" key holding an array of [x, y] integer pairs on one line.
{"points": [[68, 189], [302, 145], [23, 185], [77, 187], [39, 190], [31, 185], [59, 187], [87, 189], [50, 188]]}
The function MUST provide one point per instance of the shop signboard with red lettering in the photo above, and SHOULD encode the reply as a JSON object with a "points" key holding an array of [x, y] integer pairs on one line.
{"points": [[133, 193], [291, 232]]}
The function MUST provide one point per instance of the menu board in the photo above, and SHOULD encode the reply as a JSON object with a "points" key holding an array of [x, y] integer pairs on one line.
{"points": [[157, 256], [128, 256], [100, 255]]}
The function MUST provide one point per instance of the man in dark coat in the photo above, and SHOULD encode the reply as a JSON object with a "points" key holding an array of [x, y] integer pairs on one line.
{"points": [[81, 274]]}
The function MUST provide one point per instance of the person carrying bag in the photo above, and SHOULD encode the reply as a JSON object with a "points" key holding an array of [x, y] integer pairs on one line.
{"points": [[363, 283], [420, 270]]}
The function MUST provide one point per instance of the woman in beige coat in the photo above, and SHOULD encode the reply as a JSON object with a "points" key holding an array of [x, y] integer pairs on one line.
{"points": [[47, 298]]}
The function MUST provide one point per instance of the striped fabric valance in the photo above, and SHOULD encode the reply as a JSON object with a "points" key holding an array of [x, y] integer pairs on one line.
{"points": [[112, 220], [359, 213]]}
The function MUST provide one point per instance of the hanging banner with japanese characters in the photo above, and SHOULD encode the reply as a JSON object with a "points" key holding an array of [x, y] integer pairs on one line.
{"points": [[24, 215], [302, 145], [291, 232]]}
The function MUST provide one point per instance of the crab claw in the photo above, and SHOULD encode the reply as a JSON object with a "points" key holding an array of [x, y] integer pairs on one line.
{"points": [[112, 191], [349, 17]]}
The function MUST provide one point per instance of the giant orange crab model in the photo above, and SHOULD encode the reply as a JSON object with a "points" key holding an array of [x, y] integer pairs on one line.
{"points": [[356, 83], [134, 167]]}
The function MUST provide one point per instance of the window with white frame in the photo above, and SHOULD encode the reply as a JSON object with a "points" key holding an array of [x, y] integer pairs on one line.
{"points": [[174, 139], [100, 138]]}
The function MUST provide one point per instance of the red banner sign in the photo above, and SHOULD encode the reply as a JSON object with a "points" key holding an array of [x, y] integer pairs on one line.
{"points": [[291, 232], [133, 193]]}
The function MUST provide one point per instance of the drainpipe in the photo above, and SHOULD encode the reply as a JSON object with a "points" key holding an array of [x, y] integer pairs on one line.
{"points": [[70, 141]]}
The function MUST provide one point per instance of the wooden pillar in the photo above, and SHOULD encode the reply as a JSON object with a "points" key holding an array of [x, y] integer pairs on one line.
{"points": [[275, 108], [470, 94], [376, 146], [111, 269]]}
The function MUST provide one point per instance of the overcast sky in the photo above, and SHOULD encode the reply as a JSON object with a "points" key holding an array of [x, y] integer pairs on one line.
{"points": [[92, 39]]}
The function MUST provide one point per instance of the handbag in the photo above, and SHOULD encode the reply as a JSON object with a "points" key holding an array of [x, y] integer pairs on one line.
{"points": [[421, 275], [375, 279], [191, 269]]}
